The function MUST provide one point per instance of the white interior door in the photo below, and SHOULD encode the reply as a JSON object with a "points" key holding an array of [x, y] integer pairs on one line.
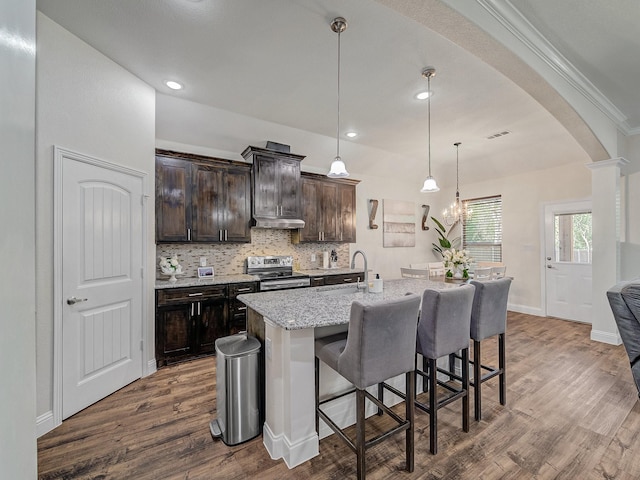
{"points": [[568, 260], [101, 226]]}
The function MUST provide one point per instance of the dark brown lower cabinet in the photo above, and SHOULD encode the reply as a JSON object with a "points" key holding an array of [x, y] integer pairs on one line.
{"points": [[344, 278], [237, 309], [188, 322]]}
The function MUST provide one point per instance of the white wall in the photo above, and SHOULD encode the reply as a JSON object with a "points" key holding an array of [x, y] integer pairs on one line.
{"points": [[88, 104], [17, 240], [522, 197], [630, 231]]}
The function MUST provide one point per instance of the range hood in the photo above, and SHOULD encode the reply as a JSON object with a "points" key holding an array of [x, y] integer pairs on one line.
{"points": [[276, 200], [280, 223]]}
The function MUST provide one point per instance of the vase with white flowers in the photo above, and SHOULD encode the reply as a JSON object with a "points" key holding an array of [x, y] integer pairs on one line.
{"points": [[456, 263], [170, 266]]}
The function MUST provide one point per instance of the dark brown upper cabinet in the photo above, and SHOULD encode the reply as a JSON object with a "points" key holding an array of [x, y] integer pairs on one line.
{"points": [[202, 199], [328, 209], [276, 184]]}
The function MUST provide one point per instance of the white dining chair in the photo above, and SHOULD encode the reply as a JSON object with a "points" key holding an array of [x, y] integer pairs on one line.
{"points": [[436, 268], [482, 273], [414, 273], [498, 272]]}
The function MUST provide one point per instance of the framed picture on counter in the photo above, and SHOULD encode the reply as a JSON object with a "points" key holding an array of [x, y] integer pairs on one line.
{"points": [[205, 272]]}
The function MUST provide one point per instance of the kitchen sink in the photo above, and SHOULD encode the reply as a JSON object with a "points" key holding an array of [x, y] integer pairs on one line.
{"points": [[339, 291]]}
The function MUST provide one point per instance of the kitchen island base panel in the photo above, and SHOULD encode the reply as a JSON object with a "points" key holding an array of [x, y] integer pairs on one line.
{"points": [[280, 447], [289, 394]]}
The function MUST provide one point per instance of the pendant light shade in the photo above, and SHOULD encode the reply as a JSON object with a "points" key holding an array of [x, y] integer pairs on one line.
{"points": [[430, 184], [338, 168]]}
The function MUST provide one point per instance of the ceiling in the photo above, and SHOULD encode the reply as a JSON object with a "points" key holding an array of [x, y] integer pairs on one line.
{"points": [[276, 61]]}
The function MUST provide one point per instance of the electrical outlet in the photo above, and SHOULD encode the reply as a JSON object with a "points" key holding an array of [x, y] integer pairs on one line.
{"points": [[313, 257]]}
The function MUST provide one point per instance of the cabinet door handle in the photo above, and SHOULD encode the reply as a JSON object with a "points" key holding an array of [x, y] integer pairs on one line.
{"points": [[241, 309], [226, 235], [199, 308], [220, 235], [188, 234], [199, 294], [247, 289], [192, 309]]}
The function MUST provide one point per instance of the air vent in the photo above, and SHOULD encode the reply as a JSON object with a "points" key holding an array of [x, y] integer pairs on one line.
{"points": [[499, 134]]}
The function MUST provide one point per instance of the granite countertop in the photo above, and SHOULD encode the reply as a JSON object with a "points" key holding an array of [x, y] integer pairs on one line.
{"points": [[183, 281], [322, 272], [328, 305], [199, 282]]}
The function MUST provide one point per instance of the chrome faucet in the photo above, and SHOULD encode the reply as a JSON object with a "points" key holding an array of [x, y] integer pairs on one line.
{"points": [[366, 273]]}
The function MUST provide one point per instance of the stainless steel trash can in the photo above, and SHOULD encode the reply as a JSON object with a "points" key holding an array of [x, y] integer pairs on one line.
{"points": [[238, 389]]}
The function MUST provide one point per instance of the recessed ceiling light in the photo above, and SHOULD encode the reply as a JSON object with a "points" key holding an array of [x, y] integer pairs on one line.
{"points": [[173, 85], [351, 134], [422, 95]]}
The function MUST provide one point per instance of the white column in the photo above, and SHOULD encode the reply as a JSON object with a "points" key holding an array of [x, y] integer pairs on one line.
{"points": [[606, 217], [289, 428]]}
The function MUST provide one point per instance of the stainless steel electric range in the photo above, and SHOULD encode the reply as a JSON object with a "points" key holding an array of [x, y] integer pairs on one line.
{"points": [[276, 272]]}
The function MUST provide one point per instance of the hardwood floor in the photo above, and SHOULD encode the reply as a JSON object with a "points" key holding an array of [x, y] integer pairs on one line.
{"points": [[572, 413]]}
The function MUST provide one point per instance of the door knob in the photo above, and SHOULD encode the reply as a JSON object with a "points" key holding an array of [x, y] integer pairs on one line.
{"points": [[74, 300], [549, 258], [549, 266]]}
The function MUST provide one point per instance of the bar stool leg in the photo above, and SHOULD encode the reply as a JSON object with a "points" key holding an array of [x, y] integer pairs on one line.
{"points": [[477, 381], [360, 450], [317, 372], [425, 368], [433, 407], [501, 365], [465, 387], [410, 416]]}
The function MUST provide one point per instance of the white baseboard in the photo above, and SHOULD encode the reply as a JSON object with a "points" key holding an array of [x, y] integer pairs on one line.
{"points": [[45, 423], [526, 309], [606, 337], [279, 446]]}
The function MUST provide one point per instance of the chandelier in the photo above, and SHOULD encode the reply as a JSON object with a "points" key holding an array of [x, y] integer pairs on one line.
{"points": [[338, 168], [457, 210]]}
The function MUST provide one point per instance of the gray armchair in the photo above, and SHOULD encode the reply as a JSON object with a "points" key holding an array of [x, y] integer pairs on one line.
{"points": [[624, 299]]}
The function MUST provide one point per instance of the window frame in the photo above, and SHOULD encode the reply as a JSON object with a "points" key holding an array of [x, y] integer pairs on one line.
{"points": [[491, 250]]}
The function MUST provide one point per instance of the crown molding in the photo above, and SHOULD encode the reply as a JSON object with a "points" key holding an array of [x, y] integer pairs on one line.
{"points": [[511, 19]]}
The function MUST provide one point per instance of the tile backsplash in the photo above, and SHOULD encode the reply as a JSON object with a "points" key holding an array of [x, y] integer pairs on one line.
{"points": [[229, 258]]}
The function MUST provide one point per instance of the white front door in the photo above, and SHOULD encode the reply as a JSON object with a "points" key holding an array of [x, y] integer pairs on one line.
{"points": [[101, 261], [568, 260]]}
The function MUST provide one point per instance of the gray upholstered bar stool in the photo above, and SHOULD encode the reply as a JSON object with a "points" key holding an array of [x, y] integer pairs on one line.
{"points": [[378, 345], [488, 319], [443, 329]]}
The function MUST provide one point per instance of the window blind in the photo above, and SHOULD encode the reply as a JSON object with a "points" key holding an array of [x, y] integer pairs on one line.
{"points": [[482, 232]]}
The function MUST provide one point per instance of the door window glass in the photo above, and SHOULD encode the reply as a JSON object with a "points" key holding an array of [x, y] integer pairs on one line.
{"points": [[573, 237]]}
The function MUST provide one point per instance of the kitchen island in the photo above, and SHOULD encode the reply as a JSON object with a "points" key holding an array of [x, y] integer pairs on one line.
{"points": [[287, 322]]}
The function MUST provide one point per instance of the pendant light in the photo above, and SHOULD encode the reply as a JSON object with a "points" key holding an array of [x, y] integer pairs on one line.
{"points": [[430, 184], [338, 169], [457, 211]]}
